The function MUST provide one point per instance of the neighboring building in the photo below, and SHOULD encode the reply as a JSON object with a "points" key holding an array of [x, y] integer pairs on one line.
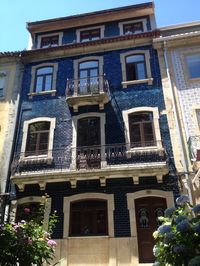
{"points": [[179, 56], [10, 77], [93, 135]]}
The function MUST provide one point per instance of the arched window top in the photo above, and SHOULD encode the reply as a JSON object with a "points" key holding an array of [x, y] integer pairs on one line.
{"points": [[45, 70], [135, 58], [89, 64], [141, 116]]}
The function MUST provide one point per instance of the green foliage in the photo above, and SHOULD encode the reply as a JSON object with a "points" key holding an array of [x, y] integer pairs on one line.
{"points": [[27, 243], [178, 238]]}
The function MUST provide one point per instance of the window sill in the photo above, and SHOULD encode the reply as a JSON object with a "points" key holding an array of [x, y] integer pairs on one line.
{"points": [[52, 92], [86, 237], [193, 80], [139, 81]]}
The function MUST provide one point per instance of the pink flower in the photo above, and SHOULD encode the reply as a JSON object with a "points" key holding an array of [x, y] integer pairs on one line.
{"points": [[30, 241], [51, 243], [27, 210]]}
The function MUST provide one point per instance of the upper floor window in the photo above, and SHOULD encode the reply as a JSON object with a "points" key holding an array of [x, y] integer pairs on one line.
{"points": [[141, 129], [2, 84], [88, 77], [90, 34], [43, 79], [50, 41], [88, 218], [38, 138], [132, 28], [135, 67], [193, 64], [28, 211]]}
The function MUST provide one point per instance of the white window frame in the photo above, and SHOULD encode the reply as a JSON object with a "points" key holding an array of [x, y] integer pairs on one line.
{"points": [[85, 196], [3, 74], [33, 77], [149, 78], [75, 119], [31, 199], [121, 25], [59, 34], [78, 31], [47, 156], [155, 112]]}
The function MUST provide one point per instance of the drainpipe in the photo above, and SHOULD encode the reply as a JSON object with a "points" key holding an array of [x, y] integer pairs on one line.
{"points": [[178, 127]]}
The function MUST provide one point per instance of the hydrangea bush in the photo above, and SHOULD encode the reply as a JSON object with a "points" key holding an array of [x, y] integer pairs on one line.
{"points": [[27, 243], [178, 238]]}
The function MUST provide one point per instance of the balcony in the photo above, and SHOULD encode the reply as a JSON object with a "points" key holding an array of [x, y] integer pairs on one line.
{"points": [[87, 91], [94, 162], [194, 150]]}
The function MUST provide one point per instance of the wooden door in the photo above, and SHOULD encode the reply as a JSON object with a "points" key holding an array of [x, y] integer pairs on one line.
{"points": [[148, 209]]}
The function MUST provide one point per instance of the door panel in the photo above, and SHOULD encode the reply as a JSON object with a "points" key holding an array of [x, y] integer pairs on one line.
{"points": [[147, 211]]}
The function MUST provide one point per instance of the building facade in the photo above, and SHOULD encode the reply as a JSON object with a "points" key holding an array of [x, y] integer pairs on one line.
{"points": [[178, 49], [93, 135], [10, 78]]}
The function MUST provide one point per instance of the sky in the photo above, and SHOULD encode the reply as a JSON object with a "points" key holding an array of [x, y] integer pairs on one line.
{"points": [[15, 13]]}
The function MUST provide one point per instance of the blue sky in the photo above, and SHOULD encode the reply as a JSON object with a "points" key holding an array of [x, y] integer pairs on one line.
{"points": [[15, 13]]}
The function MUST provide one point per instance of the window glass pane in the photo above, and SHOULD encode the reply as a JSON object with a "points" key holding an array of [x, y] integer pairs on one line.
{"points": [[131, 71], [93, 72], [48, 83], [88, 64], [45, 70], [38, 126], [28, 211], [2, 82], [193, 62], [134, 58], [39, 82], [133, 28], [141, 71]]}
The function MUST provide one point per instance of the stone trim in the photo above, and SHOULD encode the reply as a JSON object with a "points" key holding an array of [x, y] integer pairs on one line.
{"points": [[59, 34], [4, 75], [78, 31], [123, 56], [121, 24], [51, 136], [75, 119], [110, 201], [155, 112], [15, 203], [194, 110], [33, 73]]}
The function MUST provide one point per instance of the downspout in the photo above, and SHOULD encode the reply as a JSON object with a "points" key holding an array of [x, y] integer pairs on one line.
{"points": [[178, 127]]}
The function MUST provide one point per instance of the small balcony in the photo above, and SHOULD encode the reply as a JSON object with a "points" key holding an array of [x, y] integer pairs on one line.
{"points": [[194, 150], [87, 91]]}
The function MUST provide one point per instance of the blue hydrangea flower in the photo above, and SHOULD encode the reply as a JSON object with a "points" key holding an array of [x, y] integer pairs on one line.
{"points": [[194, 261], [169, 211], [169, 236], [181, 218], [196, 228], [163, 229], [183, 226], [182, 200], [179, 248], [196, 209]]}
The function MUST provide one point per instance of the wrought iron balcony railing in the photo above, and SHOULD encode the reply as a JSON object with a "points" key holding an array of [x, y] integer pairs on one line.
{"points": [[86, 86], [86, 158], [194, 148]]}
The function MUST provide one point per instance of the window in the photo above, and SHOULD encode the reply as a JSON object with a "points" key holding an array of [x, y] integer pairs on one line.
{"points": [[38, 138], [135, 67], [193, 63], [90, 35], [198, 117], [141, 129], [2, 84], [28, 211], [88, 218], [43, 79], [133, 28], [50, 41], [88, 77]]}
